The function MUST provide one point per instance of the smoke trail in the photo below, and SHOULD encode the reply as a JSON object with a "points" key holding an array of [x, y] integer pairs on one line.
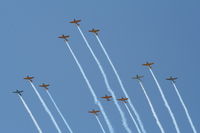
{"points": [[31, 115], [63, 118], [165, 101], [100, 124], [107, 83], [91, 90], [152, 108], [122, 86], [46, 108], [185, 108], [138, 129]]}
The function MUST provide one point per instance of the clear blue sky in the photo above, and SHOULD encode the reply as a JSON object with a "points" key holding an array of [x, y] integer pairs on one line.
{"points": [[133, 32]]}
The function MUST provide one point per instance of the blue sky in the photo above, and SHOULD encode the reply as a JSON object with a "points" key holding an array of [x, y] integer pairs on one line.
{"points": [[133, 32]]}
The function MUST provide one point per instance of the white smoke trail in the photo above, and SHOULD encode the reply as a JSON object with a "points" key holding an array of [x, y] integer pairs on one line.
{"points": [[100, 125], [46, 108], [31, 115], [122, 86], [63, 118], [166, 103], [107, 83], [185, 108], [137, 127], [152, 108], [91, 90]]}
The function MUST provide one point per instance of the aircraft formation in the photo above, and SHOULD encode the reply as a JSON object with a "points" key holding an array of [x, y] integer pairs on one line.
{"points": [[135, 116]]}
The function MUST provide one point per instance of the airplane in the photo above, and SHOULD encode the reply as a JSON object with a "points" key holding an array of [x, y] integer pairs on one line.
{"points": [[18, 92], [75, 22], [148, 64], [107, 97], [64, 37], [44, 85], [95, 31], [29, 78], [123, 99], [172, 79], [94, 112], [138, 77]]}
